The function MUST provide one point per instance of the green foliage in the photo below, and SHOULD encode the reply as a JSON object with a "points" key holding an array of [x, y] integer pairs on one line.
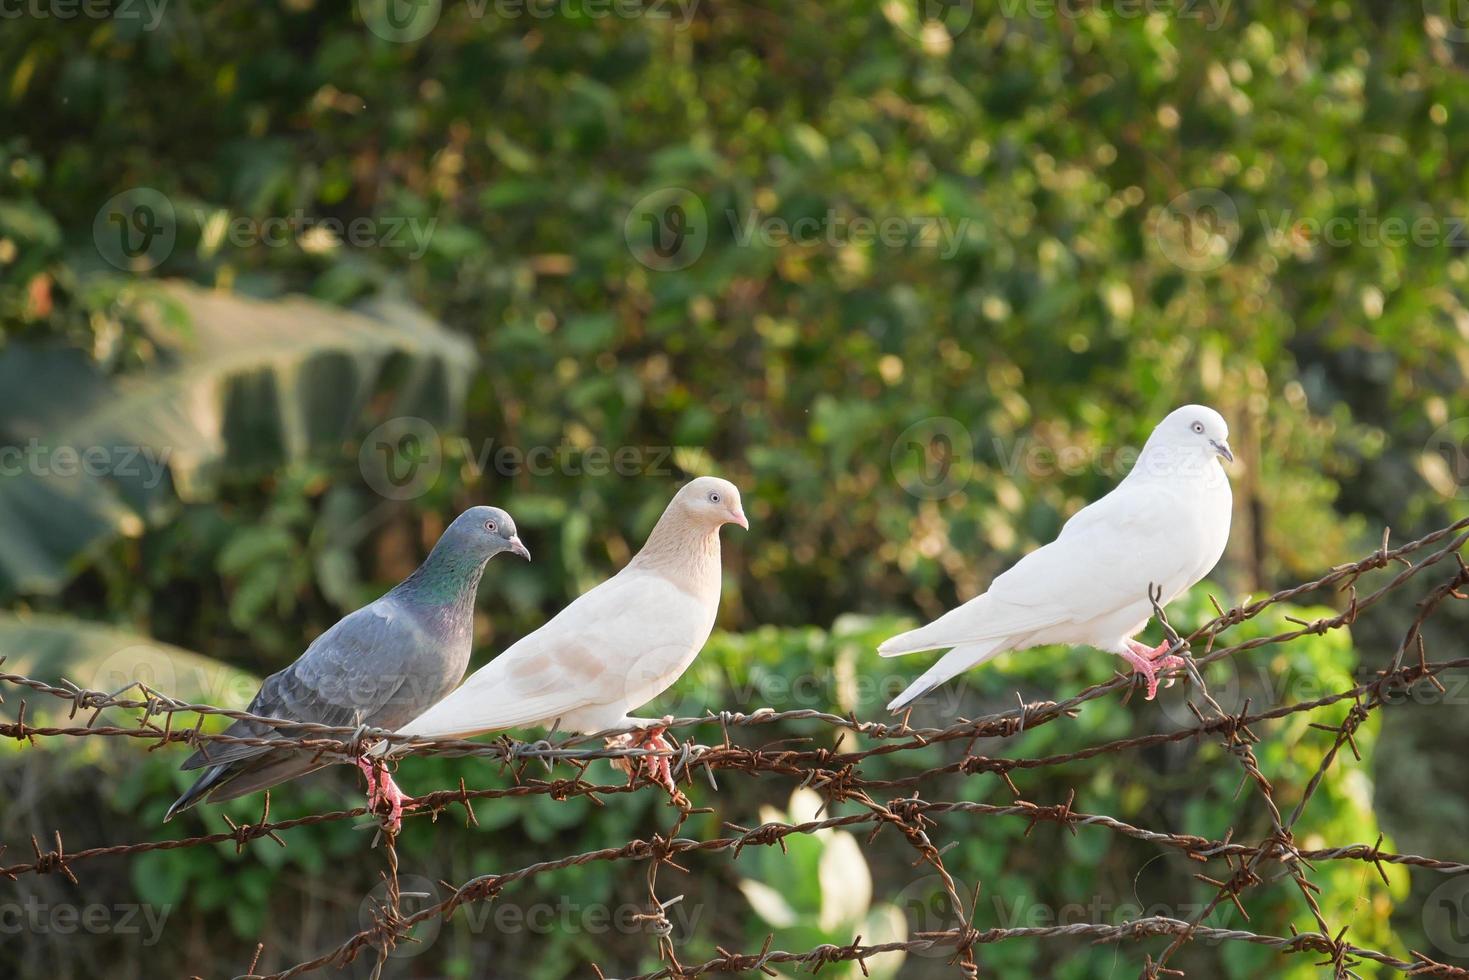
{"points": [[1051, 147], [505, 167]]}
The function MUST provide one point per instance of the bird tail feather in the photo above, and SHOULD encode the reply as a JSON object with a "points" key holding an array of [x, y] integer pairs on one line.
{"points": [[951, 664], [913, 641], [232, 780], [266, 776], [211, 778], [969, 623]]}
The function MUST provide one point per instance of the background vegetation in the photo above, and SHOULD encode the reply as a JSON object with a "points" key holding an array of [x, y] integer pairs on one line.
{"points": [[1132, 212]]}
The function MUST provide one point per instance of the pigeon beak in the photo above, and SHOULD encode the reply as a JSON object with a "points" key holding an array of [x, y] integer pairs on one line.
{"points": [[738, 517], [518, 548], [1222, 448]]}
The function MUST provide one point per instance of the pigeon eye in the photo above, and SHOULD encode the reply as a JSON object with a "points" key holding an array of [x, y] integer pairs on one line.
{"points": [[1198, 427], [489, 525], [714, 497]]}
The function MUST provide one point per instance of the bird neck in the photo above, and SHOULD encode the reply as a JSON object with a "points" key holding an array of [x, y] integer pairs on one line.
{"points": [[446, 577], [684, 550], [1164, 463]]}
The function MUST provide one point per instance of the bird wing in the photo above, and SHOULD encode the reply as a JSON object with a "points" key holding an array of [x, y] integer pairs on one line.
{"points": [[354, 673], [636, 631], [1103, 560]]}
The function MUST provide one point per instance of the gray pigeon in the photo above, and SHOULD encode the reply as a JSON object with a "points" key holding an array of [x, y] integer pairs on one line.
{"points": [[382, 666]]}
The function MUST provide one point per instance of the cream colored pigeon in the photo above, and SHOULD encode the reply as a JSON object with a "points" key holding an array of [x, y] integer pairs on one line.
{"points": [[1164, 525], [614, 648]]}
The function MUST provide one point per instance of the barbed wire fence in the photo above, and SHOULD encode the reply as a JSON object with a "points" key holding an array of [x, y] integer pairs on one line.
{"points": [[837, 774]]}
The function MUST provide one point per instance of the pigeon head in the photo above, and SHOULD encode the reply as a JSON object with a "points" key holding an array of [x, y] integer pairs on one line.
{"points": [[483, 532], [712, 502], [1201, 427], [1192, 431]]}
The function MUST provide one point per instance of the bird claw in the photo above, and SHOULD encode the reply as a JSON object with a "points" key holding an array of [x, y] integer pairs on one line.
{"points": [[1151, 661], [383, 795], [658, 768]]}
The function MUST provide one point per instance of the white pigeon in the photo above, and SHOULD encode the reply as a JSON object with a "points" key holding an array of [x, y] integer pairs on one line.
{"points": [[614, 648], [1164, 525]]}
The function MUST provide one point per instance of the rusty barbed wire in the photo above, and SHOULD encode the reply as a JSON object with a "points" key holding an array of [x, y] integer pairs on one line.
{"points": [[837, 776], [728, 962]]}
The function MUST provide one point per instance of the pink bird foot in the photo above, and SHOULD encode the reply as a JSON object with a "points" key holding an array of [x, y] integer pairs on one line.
{"points": [[1150, 661], [659, 768], [383, 795]]}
